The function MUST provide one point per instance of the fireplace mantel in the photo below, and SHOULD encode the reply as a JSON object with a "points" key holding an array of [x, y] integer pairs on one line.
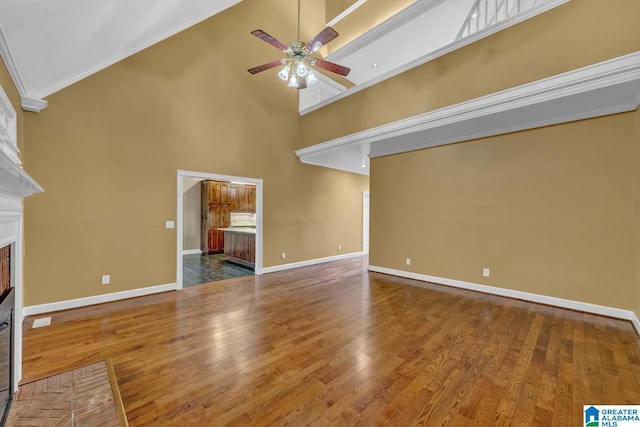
{"points": [[15, 185], [14, 181]]}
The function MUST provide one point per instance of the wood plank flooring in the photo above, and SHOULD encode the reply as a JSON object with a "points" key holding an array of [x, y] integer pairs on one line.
{"points": [[335, 345]]}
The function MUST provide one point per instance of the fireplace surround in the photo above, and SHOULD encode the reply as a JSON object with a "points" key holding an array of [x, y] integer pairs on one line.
{"points": [[6, 352], [15, 185]]}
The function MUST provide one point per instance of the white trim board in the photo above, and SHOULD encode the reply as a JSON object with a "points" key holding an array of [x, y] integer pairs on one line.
{"points": [[192, 252], [597, 90], [309, 262], [510, 293], [345, 13], [97, 299]]}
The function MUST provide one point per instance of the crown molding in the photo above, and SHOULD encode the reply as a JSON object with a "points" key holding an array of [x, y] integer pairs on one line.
{"points": [[28, 104], [5, 52], [355, 45], [32, 104], [605, 88]]}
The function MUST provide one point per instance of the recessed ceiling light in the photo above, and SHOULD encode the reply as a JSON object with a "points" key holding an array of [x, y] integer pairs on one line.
{"points": [[374, 65], [475, 15]]}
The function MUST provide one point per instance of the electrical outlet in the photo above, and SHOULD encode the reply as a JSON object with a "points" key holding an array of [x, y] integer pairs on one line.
{"points": [[283, 255], [408, 261], [486, 272], [339, 247], [106, 279], [39, 323]]}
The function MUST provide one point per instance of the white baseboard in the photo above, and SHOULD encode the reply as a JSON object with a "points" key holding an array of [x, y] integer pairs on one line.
{"points": [[192, 252], [526, 296], [309, 262], [98, 299]]}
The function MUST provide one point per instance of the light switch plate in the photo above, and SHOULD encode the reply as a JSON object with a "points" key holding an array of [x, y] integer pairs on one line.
{"points": [[169, 225]]}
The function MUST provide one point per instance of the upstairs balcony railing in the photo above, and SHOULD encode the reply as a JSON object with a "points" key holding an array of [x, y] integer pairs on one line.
{"points": [[485, 13]]}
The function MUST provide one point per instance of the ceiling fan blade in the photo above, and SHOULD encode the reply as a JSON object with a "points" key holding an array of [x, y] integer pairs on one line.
{"points": [[324, 37], [264, 67], [269, 39], [302, 83], [330, 66]]}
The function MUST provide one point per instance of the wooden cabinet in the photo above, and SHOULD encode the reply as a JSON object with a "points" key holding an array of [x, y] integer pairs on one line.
{"points": [[242, 198], [215, 198], [224, 192], [204, 217], [225, 216], [240, 247], [218, 192], [233, 198], [214, 191], [218, 200], [252, 199]]}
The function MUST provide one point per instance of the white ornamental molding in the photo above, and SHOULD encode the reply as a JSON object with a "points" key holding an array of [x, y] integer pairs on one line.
{"points": [[32, 104]]}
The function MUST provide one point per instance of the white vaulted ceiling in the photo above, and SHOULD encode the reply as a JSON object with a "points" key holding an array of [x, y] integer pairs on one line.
{"points": [[53, 44]]}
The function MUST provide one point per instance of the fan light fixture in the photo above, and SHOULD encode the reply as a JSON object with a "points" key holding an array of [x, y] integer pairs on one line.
{"points": [[301, 69], [298, 66], [284, 73], [311, 78]]}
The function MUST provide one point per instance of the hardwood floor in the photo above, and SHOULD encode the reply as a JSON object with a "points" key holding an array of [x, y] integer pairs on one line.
{"points": [[334, 344]]}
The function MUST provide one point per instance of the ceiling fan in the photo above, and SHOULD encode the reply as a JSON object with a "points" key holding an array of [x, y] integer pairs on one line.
{"points": [[298, 65]]}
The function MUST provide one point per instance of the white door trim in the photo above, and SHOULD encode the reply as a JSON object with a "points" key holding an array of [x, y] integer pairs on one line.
{"points": [[179, 221], [366, 220]]}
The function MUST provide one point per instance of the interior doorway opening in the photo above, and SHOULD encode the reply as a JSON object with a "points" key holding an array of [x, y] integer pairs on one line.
{"points": [[219, 227]]}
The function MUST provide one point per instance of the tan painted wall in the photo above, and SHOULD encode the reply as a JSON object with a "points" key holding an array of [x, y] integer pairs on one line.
{"points": [[107, 150], [191, 215], [549, 211]]}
